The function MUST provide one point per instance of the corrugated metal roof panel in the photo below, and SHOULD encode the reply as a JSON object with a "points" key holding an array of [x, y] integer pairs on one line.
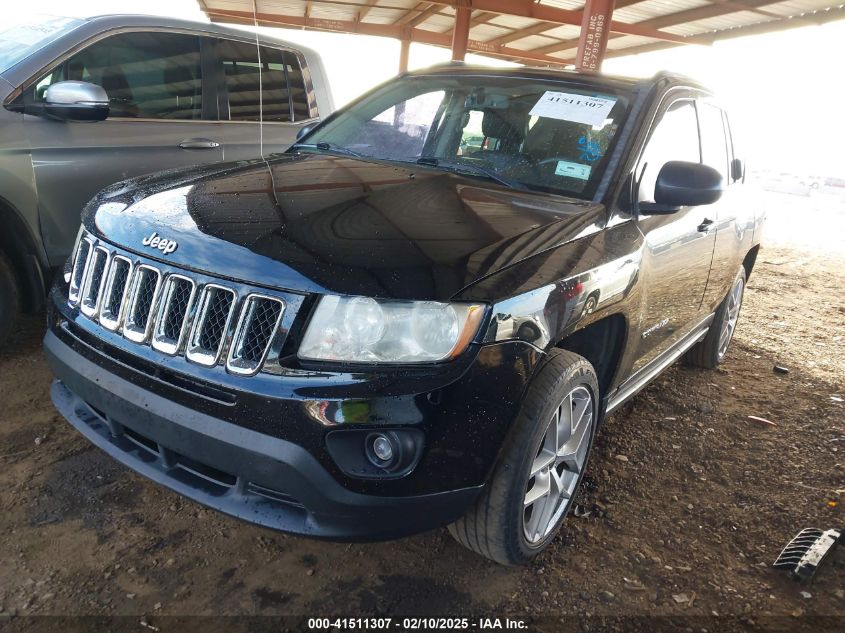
{"points": [[513, 21], [655, 8], [386, 12], [797, 7], [325, 12], [627, 41], [720, 23], [438, 23], [383, 16], [565, 32], [571, 5], [285, 7], [485, 32]]}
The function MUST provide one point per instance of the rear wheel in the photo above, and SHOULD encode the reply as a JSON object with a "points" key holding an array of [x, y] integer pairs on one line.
{"points": [[530, 493], [711, 350], [9, 298]]}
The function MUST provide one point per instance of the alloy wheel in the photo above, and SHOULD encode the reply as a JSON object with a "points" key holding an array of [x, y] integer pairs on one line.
{"points": [[557, 466]]}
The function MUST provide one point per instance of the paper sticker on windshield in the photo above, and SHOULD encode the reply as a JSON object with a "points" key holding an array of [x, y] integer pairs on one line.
{"points": [[572, 107], [573, 170]]}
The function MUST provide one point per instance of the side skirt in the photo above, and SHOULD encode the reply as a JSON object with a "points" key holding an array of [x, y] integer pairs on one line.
{"points": [[648, 373]]}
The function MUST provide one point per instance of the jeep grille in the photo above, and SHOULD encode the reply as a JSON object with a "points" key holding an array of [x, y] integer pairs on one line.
{"points": [[173, 312]]}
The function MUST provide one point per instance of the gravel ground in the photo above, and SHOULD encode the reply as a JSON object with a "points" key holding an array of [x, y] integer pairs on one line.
{"points": [[686, 505]]}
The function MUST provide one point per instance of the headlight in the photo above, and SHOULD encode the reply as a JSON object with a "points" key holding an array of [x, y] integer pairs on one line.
{"points": [[365, 330]]}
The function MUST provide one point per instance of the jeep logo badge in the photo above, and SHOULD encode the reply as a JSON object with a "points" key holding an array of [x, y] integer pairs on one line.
{"points": [[164, 245]]}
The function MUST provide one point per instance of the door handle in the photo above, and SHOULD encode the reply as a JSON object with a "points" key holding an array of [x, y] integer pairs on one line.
{"points": [[199, 143], [705, 225]]}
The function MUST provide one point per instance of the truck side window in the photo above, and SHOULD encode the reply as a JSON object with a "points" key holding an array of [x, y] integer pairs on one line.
{"points": [[714, 149], [146, 75], [281, 79], [674, 138], [304, 106]]}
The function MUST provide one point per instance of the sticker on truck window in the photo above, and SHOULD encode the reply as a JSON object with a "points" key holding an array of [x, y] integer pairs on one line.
{"points": [[573, 107], [573, 170]]}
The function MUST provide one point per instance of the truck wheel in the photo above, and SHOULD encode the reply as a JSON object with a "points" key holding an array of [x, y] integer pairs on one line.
{"points": [[9, 298], [711, 350], [531, 490]]}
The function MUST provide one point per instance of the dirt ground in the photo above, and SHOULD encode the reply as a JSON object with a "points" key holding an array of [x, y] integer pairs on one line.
{"points": [[687, 502]]}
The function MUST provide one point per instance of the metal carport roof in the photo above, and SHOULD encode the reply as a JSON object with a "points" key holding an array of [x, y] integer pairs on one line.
{"points": [[543, 32]]}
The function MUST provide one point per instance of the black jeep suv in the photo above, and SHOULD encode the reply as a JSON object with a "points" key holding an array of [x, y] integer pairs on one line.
{"points": [[390, 328]]}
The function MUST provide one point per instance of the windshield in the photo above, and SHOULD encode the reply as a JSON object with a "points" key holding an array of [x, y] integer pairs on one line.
{"points": [[28, 34], [530, 133]]}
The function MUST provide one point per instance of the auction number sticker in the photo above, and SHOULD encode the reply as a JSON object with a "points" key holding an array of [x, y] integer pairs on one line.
{"points": [[572, 107]]}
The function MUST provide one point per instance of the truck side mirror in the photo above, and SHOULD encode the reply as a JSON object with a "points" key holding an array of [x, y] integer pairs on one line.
{"points": [[76, 101]]}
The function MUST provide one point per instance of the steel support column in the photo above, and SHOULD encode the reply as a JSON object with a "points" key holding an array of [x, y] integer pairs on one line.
{"points": [[404, 53], [595, 27], [460, 35]]}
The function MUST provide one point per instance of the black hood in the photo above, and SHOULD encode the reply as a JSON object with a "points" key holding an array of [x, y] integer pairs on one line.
{"points": [[338, 225]]}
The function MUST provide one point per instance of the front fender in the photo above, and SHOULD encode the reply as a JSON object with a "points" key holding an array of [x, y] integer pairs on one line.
{"points": [[543, 299]]}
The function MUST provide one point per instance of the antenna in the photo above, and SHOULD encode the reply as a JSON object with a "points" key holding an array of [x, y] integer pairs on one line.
{"points": [[260, 81]]}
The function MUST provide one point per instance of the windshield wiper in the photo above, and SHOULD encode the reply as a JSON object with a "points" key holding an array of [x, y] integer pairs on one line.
{"points": [[329, 147], [473, 168]]}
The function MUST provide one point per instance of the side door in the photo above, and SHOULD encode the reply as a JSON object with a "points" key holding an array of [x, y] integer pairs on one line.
{"points": [[159, 119], [731, 226], [261, 83], [678, 246]]}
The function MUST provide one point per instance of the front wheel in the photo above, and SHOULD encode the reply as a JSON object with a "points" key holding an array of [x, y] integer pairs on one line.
{"points": [[543, 462], [711, 350]]}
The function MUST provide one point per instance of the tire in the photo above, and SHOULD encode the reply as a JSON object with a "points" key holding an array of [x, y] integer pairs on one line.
{"points": [[711, 350], [590, 304], [9, 298], [496, 525]]}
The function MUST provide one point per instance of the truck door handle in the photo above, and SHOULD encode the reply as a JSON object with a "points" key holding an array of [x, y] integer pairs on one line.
{"points": [[705, 225], [199, 143]]}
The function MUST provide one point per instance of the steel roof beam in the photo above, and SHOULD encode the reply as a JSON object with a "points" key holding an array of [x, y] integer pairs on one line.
{"points": [[822, 16], [381, 30], [411, 14]]}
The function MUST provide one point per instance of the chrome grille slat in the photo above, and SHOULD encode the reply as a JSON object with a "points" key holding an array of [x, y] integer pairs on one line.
{"points": [[143, 294], [177, 298], [257, 325], [114, 292], [94, 278], [80, 266], [175, 312], [214, 316]]}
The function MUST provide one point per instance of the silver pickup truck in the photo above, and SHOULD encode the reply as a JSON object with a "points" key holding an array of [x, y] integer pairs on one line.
{"points": [[88, 102]]}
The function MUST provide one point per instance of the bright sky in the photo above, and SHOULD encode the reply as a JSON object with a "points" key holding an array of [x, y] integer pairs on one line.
{"points": [[781, 90]]}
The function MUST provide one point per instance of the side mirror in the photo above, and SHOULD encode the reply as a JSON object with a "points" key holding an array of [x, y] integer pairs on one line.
{"points": [[76, 101], [737, 170], [305, 131], [681, 184]]}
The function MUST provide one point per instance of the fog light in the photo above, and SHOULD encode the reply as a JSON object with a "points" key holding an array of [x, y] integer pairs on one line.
{"points": [[376, 453], [382, 448]]}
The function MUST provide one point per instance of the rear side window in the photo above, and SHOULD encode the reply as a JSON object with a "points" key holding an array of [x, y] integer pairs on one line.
{"points": [[714, 149], [674, 138], [277, 73], [146, 75]]}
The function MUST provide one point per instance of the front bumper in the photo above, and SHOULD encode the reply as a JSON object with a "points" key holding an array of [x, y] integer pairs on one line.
{"points": [[241, 472]]}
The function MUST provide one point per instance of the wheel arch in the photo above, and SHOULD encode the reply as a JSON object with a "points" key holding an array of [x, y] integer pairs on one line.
{"points": [[749, 260], [602, 343], [17, 242]]}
